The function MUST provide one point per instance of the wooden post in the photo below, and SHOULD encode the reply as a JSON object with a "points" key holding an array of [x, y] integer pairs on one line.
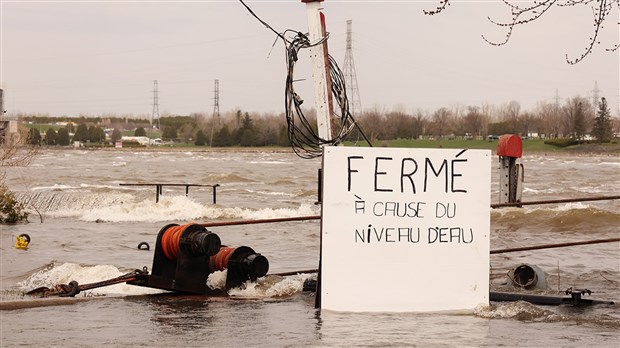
{"points": [[320, 68]]}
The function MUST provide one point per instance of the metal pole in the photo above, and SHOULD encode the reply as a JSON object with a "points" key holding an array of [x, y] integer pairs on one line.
{"points": [[568, 200], [262, 221], [559, 245], [497, 251], [215, 193], [320, 186]]}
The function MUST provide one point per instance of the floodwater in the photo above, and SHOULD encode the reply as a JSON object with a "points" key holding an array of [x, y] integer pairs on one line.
{"points": [[91, 227]]}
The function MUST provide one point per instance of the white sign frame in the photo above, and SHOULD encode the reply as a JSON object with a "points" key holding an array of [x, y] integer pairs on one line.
{"points": [[385, 248]]}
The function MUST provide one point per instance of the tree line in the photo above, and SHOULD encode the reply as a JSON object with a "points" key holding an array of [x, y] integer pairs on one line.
{"points": [[576, 119]]}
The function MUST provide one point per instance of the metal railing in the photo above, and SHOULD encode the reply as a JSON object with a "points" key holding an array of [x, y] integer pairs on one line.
{"points": [[159, 188]]}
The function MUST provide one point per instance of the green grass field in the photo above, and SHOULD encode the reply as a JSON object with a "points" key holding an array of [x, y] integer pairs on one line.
{"points": [[529, 145]]}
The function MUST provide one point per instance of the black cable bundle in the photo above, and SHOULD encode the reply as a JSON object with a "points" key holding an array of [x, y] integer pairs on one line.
{"points": [[303, 138]]}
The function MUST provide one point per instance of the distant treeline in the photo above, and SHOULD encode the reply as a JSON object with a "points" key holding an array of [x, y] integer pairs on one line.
{"points": [[576, 119]]}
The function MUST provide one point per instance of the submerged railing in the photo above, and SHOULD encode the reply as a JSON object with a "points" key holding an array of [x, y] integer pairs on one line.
{"points": [[494, 206], [159, 188]]}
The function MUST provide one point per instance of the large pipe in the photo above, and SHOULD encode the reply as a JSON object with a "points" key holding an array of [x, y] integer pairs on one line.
{"points": [[528, 276]]}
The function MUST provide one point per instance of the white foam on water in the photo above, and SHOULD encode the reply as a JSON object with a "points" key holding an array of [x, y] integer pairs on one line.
{"points": [[123, 208], [113, 187], [590, 189], [55, 187], [613, 164], [518, 310], [178, 207], [270, 193], [64, 273], [570, 206], [217, 280], [556, 209], [268, 213], [271, 286], [267, 162]]}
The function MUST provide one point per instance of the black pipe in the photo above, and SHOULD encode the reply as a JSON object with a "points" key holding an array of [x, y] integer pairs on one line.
{"points": [[554, 201], [543, 300], [559, 245]]}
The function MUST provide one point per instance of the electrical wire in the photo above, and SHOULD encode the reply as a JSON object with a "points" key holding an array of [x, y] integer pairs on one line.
{"points": [[304, 139]]}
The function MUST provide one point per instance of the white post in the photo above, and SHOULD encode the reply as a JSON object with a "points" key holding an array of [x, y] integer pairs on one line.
{"points": [[318, 54]]}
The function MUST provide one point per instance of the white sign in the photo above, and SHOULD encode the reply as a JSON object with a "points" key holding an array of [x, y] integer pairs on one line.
{"points": [[405, 230]]}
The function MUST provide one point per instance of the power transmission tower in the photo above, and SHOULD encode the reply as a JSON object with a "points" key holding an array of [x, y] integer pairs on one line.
{"points": [[155, 114], [595, 96], [557, 100], [350, 77], [618, 106], [215, 118], [216, 99]]}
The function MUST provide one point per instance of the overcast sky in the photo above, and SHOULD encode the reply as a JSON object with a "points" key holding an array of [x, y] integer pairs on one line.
{"points": [[98, 57]]}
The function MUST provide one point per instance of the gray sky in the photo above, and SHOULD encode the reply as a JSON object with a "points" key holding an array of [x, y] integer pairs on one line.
{"points": [[96, 57]]}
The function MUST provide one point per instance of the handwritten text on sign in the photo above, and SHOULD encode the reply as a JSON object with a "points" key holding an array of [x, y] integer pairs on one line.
{"points": [[416, 221]]}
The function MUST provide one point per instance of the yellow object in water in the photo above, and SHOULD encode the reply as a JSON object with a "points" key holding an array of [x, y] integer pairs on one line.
{"points": [[22, 241]]}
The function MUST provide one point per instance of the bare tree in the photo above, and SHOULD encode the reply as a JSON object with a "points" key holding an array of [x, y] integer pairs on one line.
{"points": [[372, 121], [548, 117], [398, 125], [14, 152], [419, 124], [510, 114], [576, 117], [526, 121], [523, 13], [474, 121], [442, 122]]}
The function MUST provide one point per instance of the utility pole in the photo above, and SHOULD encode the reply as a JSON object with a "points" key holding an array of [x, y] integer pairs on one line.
{"points": [[350, 77], [215, 118], [320, 68]]}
